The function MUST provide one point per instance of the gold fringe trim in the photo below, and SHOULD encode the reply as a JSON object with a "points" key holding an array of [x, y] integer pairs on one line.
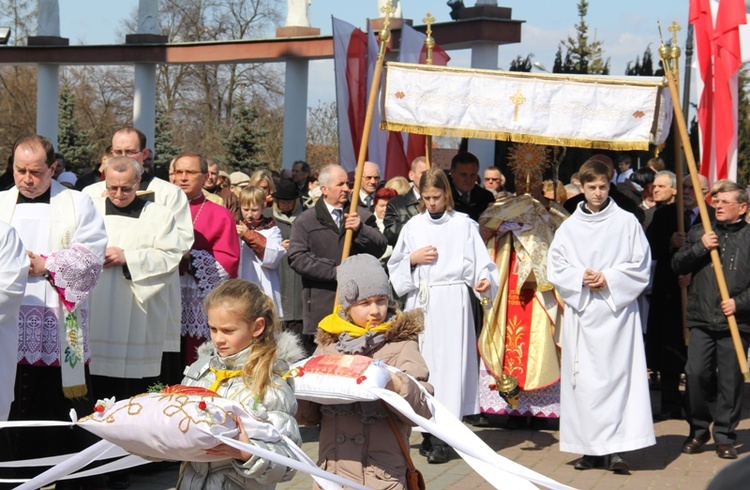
{"points": [[76, 391], [557, 77], [515, 137]]}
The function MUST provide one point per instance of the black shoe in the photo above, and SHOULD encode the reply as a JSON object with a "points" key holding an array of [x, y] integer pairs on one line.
{"points": [[589, 462], [693, 445], [438, 455], [726, 451], [618, 464], [425, 446], [478, 420]]}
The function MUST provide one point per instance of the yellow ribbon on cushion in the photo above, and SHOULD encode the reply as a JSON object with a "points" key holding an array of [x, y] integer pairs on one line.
{"points": [[336, 325], [221, 375]]}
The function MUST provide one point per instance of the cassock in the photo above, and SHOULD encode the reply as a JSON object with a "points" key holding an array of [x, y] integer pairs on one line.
{"points": [[605, 404], [214, 258], [172, 197], [449, 343], [127, 331], [14, 269], [261, 256], [518, 337]]}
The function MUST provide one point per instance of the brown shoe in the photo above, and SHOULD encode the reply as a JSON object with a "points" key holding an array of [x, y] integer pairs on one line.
{"points": [[693, 445], [726, 451]]}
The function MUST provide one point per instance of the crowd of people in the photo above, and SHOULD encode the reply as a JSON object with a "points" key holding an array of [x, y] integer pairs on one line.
{"points": [[556, 301]]}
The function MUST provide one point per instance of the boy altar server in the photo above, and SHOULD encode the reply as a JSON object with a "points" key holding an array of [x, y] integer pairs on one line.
{"points": [[605, 405]]}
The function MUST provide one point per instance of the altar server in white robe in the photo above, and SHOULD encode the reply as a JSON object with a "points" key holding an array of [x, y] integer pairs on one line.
{"points": [[143, 253], [14, 268], [438, 254], [64, 238], [131, 142], [599, 262]]}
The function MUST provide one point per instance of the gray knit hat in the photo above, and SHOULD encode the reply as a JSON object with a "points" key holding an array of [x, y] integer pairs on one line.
{"points": [[360, 277]]}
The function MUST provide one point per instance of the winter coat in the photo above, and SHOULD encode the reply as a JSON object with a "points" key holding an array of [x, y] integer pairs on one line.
{"points": [[704, 299], [291, 282], [356, 440], [315, 250], [279, 404], [398, 211]]}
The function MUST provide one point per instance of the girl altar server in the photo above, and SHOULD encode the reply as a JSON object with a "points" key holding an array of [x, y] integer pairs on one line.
{"points": [[245, 361], [260, 245], [438, 257], [357, 440]]}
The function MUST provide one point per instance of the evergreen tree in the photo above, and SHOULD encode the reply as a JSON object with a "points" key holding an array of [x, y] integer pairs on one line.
{"points": [[585, 56], [557, 66], [164, 149], [643, 68], [242, 144], [521, 64], [72, 142]]}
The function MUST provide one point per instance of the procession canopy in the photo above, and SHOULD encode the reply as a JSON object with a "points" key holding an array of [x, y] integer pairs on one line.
{"points": [[587, 111]]}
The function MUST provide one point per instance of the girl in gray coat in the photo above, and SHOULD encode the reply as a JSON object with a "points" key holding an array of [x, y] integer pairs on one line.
{"points": [[245, 361]]}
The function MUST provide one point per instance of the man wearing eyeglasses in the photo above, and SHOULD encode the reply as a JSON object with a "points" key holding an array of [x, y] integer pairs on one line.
{"points": [[714, 383], [370, 181], [128, 317], [493, 180]]}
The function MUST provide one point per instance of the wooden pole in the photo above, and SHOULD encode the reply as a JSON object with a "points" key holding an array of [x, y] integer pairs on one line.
{"points": [[679, 119], [429, 43], [384, 37]]}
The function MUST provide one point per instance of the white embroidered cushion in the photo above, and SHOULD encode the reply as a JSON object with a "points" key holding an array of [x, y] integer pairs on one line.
{"points": [[338, 378], [178, 423]]}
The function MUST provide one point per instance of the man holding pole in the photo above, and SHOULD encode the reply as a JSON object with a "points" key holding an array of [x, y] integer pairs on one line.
{"points": [[714, 378]]}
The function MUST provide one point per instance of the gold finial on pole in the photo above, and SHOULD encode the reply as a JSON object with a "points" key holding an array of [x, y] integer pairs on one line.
{"points": [[429, 41], [385, 34]]}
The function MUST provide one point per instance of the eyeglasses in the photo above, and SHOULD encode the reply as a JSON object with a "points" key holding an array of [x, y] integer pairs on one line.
{"points": [[372, 177], [124, 189], [122, 153], [725, 203], [188, 173]]}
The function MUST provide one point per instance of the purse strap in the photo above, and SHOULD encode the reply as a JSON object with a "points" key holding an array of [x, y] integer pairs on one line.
{"points": [[404, 449]]}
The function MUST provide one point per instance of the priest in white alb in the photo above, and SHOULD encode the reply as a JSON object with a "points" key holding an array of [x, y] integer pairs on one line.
{"points": [[599, 263], [14, 269], [128, 320], [64, 239]]}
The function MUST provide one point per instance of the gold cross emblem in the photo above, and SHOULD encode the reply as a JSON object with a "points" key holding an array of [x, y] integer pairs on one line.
{"points": [[517, 100], [674, 29]]}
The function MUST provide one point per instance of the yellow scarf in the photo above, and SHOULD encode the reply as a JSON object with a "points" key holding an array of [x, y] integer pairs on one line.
{"points": [[336, 325], [221, 375]]}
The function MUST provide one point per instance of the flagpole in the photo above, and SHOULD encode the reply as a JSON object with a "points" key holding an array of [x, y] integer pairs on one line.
{"points": [[384, 35], [429, 43], [705, 220]]}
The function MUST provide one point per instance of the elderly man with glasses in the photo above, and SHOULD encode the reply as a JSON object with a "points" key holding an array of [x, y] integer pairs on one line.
{"points": [[714, 383]]}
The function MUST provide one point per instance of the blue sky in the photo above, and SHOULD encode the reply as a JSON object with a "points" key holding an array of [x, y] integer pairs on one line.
{"points": [[625, 28]]}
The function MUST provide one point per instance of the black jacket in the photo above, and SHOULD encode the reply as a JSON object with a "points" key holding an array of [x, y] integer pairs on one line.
{"points": [[479, 199], [704, 299], [398, 211]]}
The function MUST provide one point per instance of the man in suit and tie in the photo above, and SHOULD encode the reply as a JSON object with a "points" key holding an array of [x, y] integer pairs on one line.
{"points": [[370, 181], [317, 240], [469, 197]]}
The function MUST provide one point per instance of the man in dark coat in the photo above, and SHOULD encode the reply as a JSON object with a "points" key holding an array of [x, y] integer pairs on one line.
{"points": [[468, 197], [665, 343], [317, 241], [714, 383], [401, 209]]}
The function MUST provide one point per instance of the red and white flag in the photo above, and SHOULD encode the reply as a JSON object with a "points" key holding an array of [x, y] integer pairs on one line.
{"points": [[350, 65], [719, 56]]}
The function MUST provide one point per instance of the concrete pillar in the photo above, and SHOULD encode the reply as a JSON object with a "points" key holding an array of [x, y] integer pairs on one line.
{"points": [[47, 93], [144, 95], [48, 86], [295, 112], [144, 100], [483, 56]]}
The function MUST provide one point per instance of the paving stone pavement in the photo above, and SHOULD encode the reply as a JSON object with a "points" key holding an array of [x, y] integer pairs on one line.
{"points": [[658, 467]]}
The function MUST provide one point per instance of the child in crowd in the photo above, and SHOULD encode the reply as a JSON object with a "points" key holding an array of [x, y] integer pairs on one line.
{"points": [[245, 361], [260, 244], [357, 440], [438, 257]]}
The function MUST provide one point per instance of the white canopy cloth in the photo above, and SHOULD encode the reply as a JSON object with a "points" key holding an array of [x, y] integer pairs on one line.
{"points": [[625, 113]]}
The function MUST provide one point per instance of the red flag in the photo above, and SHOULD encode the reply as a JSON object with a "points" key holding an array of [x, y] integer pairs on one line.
{"points": [[719, 59]]}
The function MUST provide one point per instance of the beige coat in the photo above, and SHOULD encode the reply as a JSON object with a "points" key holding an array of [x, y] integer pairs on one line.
{"points": [[356, 440]]}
